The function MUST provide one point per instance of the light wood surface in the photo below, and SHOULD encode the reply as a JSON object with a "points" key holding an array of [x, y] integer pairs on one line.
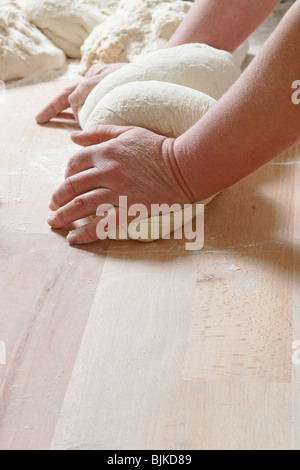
{"points": [[125, 345], [122, 345]]}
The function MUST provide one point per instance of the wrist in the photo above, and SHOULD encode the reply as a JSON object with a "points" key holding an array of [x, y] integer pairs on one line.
{"points": [[173, 156], [188, 163]]}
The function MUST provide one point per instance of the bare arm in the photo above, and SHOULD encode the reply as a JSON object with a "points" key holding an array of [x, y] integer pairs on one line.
{"points": [[253, 123], [222, 24]]}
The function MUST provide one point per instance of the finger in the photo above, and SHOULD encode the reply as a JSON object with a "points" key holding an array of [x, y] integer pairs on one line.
{"points": [[98, 135], [81, 207], [92, 231], [81, 161], [75, 186], [85, 234], [94, 70], [101, 227], [59, 104], [80, 94]]}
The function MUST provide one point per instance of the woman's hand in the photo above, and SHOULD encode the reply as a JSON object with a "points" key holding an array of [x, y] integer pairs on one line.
{"points": [[116, 161], [75, 95]]}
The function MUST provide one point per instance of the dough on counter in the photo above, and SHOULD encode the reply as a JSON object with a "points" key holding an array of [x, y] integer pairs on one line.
{"points": [[164, 108], [24, 50], [67, 23], [161, 107], [166, 92], [196, 66], [137, 27]]}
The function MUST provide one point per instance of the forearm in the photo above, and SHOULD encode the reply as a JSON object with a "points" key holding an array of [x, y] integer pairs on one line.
{"points": [[254, 122], [223, 24]]}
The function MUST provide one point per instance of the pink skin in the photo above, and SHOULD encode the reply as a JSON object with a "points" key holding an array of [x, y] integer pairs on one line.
{"points": [[212, 155], [121, 158]]}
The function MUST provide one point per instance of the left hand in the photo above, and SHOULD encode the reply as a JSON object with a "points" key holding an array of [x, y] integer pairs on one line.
{"points": [[116, 161], [74, 96]]}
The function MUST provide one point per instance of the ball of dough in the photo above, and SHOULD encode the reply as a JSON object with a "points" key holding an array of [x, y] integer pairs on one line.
{"points": [[164, 108], [161, 107], [196, 66], [24, 50], [136, 28], [66, 23]]}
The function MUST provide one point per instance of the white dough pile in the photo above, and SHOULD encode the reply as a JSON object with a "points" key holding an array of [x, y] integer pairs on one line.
{"points": [[24, 50], [137, 27], [97, 31], [167, 92], [195, 66], [161, 107], [67, 23]]}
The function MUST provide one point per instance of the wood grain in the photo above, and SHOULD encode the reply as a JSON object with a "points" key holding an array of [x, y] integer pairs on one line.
{"points": [[132, 346]]}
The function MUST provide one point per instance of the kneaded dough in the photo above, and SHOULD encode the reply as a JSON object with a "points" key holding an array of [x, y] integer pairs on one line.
{"points": [[196, 66], [167, 93], [24, 50], [137, 27], [164, 108], [161, 107], [67, 23]]}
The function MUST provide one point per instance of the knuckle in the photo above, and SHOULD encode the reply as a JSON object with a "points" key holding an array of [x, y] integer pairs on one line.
{"points": [[69, 188], [56, 199], [72, 164], [60, 219], [73, 98], [75, 160], [79, 204], [90, 234]]}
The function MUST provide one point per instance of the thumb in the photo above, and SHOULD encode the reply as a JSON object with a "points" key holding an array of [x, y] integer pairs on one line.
{"points": [[98, 135]]}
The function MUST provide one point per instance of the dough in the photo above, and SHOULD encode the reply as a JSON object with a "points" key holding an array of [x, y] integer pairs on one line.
{"points": [[24, 50], [196, 66], [67, 23], [166, 92], [137, 27], [161, 107], [164, 108]]}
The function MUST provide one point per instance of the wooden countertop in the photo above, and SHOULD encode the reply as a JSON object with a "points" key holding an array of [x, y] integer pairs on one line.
{"points": [[123, 345]]}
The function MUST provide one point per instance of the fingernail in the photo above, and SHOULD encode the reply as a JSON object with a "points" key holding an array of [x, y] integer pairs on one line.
{"points": [[51, 221], [53, 206], [71, 238]]}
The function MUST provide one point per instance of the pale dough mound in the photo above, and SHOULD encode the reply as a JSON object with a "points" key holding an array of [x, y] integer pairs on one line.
{"points": [[24, 50], [166, 92], [67, 23], [137, 27], [161, 107], [196, 66]]}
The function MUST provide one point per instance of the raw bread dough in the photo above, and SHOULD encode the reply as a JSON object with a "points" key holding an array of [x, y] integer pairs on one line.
{"points": [[196, 66], [164, 92], [67, 23], [137, 27], [164, 108], [24, 50], [161, 107]]}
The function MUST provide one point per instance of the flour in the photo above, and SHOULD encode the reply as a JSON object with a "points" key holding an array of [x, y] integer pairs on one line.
{"points": [[67, 23], [24, 50], [137, 27]]}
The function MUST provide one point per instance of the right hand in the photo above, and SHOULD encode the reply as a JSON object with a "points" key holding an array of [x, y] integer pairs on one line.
{"points": [[75, 95]]}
